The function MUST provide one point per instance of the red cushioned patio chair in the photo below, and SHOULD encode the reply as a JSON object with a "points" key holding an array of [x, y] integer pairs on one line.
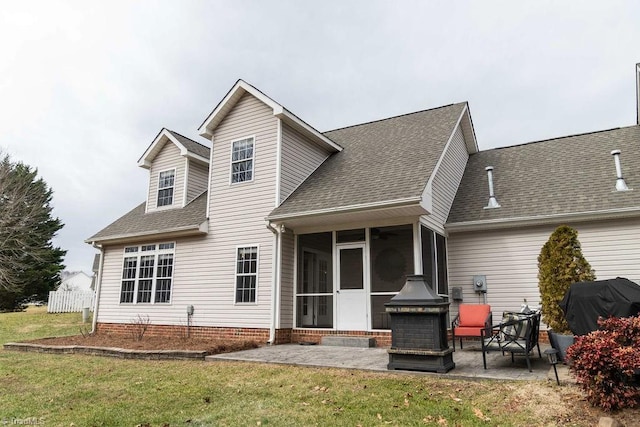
{"points": [[471, 319]]}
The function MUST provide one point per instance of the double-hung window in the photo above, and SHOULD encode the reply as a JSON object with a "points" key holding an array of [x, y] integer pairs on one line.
{"points": [[166, 180], [242, 160], [246, 274], [147, 274]]}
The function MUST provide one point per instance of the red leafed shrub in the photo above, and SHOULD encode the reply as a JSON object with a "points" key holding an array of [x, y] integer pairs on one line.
{"points": [[607, 363]]}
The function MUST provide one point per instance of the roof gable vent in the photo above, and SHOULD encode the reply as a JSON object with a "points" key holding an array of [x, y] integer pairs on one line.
{"points": [[493, 202], [621, 185]]}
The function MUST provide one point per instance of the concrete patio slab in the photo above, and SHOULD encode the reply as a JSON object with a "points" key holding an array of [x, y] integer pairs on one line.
{"points": [[468, 361]]}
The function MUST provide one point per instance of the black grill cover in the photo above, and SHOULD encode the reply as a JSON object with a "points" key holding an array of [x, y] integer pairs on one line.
{"points": [[585, 301]]}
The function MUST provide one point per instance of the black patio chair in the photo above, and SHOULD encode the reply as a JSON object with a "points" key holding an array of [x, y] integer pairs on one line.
{"points": [[518, 333]]}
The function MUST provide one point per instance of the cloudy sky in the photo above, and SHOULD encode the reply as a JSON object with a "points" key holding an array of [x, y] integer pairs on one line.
{"points": [[86, 86]]}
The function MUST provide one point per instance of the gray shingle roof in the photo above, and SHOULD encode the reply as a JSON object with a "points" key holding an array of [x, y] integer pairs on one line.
{"points": [[191, 145], [138, 223], [570, 175], [384, 160]]}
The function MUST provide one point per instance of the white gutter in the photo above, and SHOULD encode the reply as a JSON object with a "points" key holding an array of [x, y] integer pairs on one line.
{"points": [[351, 208], [542, 219], [275, 284], [184, 231], [94, 323]]}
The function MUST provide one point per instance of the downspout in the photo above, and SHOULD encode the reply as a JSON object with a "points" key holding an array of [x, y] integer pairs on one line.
{"points": [[275, 285], [94, 323]]}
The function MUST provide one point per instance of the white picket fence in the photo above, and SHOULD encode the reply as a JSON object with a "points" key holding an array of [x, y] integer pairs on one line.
{"points": [[70, 301]]}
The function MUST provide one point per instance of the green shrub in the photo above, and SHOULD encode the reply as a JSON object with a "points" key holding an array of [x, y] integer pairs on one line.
{"points": [[607, 363], [560, 264]]}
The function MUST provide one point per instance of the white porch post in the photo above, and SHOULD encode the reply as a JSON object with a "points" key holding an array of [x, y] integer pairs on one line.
{"points": [[417, 249]]}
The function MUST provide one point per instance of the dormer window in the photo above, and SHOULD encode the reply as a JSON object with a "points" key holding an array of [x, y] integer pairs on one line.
{"points": [[165, 187], [242, 160]]}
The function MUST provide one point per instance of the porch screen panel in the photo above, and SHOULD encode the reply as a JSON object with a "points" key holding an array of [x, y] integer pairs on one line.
{"points": [[441, 251], [391, 262], [434, 260], [314, 290], [429, 257]]}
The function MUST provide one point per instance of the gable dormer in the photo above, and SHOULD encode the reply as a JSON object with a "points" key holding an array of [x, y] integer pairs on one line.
{"points": [[258, 141], [178, 170]]}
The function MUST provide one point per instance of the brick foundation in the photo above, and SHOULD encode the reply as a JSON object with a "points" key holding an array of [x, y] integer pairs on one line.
{"points": [[260, 335]]}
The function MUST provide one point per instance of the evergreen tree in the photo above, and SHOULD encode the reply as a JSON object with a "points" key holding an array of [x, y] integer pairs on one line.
{"points": [[560, 264], [29, 263]]}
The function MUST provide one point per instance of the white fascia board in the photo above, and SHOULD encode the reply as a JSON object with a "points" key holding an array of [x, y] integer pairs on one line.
{"points": [[543, 219], [147, 157], [279, 111], [196, 157], [350, 208], [427, 197], [240, 85], [638, 93], [187, 230], [472, 144], [299, 124], [426, 192]]}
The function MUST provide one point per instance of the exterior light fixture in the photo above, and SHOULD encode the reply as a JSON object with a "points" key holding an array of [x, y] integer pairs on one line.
{"points": [[552, 356]]}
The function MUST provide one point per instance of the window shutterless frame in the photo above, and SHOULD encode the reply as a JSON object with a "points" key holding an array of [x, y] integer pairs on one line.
{"points": [[246, 266], [147, 274], [242, 160], [166, 188]]}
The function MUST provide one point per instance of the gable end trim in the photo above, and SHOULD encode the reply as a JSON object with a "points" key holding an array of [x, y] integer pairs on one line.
{"points": [[237, 91], [158, 142]]}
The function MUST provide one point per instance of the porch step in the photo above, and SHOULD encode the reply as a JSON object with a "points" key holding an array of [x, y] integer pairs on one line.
{"points": [[348, 341]]}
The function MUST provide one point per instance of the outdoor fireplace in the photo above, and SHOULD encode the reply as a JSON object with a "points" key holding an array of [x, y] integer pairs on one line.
{"points": [[419, 339]]}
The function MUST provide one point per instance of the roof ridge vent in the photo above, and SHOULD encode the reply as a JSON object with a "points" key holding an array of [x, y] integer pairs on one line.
{"points": [[621, 185], [493, 202]]}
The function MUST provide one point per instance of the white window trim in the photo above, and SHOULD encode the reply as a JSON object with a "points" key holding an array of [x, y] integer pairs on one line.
{"points": [[173, 195], [253, 158], [138, 254], [235, 274]]}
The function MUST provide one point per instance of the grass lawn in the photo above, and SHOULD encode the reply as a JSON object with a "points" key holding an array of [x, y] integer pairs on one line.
{"points": [[66, 390]]}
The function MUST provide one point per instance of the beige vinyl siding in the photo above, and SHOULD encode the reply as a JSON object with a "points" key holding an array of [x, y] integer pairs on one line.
{"points": [[198, 178], [286, 284], [299, 158], [168, 158], [187, 287], [446, 181], [237, 218], [204, 267], [509, 259], [109, 308]]}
